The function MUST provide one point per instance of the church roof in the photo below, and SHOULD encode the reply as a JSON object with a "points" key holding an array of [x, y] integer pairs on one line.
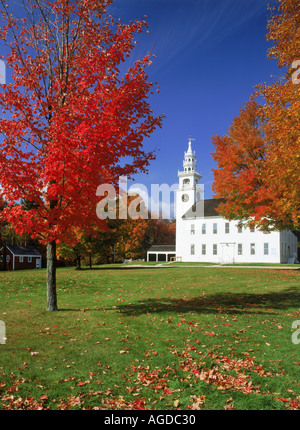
{"points": [[162, 248], [23, 250], [204, 208]]}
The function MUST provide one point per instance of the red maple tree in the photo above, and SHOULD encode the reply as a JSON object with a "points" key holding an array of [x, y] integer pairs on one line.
{"points": [[70, 117]]}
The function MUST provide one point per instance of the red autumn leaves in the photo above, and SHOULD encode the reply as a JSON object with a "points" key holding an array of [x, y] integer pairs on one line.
{"points": [[73, 116]]}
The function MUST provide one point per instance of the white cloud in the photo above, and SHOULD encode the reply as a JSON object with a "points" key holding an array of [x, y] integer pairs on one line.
{"points": [[180, 25]]}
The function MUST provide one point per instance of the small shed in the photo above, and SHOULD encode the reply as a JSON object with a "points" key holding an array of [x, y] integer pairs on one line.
{"points": [[161, 253], [21, 257]]}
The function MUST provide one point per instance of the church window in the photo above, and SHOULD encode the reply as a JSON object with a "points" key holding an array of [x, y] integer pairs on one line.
{"points": [[203, 228], [266, 249], [240, 249], [240, 229], [215, 249], [203, 248], [227, 227], [192, 249], [252, 248], [215, 228], [193, 229]]}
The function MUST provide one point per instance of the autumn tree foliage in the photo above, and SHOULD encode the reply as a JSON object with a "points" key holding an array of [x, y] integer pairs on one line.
{"points": [[258, 160], [241, 168], [69, 116], [131, 237], [126, 238], [162, 231]]}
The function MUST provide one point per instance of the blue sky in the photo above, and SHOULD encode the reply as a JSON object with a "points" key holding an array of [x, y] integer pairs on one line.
{"points": [[210, 54]]}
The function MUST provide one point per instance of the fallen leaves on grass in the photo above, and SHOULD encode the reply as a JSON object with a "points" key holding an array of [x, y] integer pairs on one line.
{"points": [[291, 404], [11, 402], [147, 377], [120, 403], [225, 373], [241, 382], [70, 402], [197, 402]]}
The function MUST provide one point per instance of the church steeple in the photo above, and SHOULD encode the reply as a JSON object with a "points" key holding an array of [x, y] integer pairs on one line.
{"points": [[189, 176], [189, 182], [189, 162]]}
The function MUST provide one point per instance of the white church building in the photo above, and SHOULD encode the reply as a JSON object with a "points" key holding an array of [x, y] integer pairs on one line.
{"points": [[202, 235]]}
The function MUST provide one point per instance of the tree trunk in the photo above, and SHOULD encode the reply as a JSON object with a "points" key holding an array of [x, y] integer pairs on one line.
{"points": [[78, 262], [51, 276], [4, 258]]}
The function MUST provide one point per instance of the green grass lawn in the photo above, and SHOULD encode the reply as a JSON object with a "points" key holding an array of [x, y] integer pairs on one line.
{"points": [[151, 338]]}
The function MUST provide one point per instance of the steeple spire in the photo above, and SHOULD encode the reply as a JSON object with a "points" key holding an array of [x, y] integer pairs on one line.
{"points": [[189, 162], [189, 151]]}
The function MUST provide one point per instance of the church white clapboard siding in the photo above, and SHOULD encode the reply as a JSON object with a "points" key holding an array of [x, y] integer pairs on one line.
{"points": [[204, 236]]}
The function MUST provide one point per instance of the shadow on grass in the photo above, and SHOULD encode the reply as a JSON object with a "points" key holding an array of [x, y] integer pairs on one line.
{"points": [[128, 267], [227, 302], [164, 265], [230, 303]]}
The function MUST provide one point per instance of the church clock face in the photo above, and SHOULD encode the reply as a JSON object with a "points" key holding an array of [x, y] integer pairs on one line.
{"points": [[185, 197]]}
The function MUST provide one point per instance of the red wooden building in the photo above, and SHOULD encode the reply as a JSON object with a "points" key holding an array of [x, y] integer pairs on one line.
{"points": [[21, 257]]}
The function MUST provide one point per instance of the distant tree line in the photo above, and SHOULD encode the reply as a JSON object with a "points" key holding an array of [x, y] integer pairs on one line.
{"points": [[124, 239]]}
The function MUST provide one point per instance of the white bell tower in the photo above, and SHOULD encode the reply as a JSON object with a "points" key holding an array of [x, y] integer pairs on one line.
{"points": [[189, 183]]}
